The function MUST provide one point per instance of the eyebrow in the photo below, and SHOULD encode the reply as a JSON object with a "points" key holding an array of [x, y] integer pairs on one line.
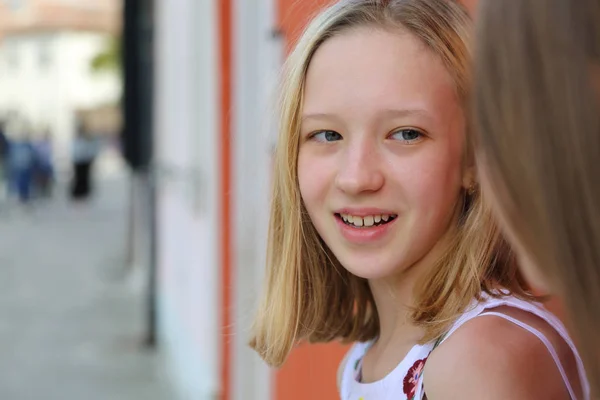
{"points": [[394, 113], [318, 116], [407, 112]]}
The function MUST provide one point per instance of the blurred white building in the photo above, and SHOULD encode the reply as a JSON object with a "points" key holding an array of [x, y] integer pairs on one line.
{"points": [[46, 49]]}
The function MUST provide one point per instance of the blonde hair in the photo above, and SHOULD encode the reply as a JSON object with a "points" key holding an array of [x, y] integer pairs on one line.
{"points": [[537, 114], [308, 294]]}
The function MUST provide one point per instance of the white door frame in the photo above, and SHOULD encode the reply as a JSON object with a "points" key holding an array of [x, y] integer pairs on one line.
{"points": [[257, 60]]}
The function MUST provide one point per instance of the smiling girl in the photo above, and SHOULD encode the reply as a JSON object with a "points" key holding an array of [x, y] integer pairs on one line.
{"points": [[378, 233]]}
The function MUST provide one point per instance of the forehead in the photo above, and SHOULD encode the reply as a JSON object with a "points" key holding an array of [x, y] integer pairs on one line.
{"points": [[367, 67]]}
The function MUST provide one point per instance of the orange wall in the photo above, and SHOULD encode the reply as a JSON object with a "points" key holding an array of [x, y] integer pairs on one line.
{"points": [[293, 15], [310, 373]]}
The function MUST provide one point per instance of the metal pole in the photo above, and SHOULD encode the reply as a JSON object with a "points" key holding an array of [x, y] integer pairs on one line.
{"points": [[152, 317], [147, 28], [138, 56]]}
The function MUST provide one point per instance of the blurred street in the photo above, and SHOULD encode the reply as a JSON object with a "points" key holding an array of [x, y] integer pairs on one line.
{"points": [[71, 317]]}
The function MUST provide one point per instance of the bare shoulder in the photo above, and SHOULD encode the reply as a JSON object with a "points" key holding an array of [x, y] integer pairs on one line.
{"points": [[492, 358]]}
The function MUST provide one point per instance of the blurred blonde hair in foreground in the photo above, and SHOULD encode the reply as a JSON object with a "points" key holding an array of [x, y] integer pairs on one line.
{"points": [[538, 118], [308, 295]]}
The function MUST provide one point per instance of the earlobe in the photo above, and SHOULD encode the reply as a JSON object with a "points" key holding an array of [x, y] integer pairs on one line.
{"points": [[469, 179]]}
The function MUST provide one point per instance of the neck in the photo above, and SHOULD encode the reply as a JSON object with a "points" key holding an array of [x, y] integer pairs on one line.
{"points": [[394, 299]]}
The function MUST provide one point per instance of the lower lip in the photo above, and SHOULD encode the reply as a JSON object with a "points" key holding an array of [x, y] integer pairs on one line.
{"points": [[363, 235]]}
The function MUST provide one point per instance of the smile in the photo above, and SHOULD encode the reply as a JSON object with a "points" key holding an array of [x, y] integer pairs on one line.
{"points": [[367, 221]]}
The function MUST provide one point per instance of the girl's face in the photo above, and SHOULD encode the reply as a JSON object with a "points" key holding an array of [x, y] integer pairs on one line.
{"points": [[381, 150]]}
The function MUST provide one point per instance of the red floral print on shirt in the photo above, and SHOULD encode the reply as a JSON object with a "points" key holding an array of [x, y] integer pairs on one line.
{"points": [[411, 380]]}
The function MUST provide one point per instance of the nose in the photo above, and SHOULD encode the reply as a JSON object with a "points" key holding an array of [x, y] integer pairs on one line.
{"points": [[361, 170]]}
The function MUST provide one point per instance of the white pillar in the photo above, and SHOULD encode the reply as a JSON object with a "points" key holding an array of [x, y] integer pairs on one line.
{"points": [[257, 59], [187, 130]]}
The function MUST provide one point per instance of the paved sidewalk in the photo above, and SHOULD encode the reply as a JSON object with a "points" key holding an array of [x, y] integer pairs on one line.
{"points": [[70, 321]]}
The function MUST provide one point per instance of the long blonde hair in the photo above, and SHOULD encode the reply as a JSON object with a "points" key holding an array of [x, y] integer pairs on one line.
{"points": [[308, 294], [537, 114]]}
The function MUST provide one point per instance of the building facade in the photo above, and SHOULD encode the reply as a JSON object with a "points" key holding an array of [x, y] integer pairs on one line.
{"points": [[46, 49]]}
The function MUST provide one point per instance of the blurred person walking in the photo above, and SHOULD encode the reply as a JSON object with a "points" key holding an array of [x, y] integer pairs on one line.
{"points": [[20, 160], [4, 168], [43, 166], [85, 150]]}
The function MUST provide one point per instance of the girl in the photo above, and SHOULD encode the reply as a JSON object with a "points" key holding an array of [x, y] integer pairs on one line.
{"points": [[539, 130], [378, 233]]}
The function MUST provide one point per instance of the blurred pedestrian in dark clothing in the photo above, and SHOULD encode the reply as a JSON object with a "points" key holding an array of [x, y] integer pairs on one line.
{"points": [[85, 150], [20, 160], [43, 168], [4, 164]]}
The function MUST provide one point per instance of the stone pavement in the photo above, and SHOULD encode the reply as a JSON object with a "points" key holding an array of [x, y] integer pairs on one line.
{"points": [[71, 322]]}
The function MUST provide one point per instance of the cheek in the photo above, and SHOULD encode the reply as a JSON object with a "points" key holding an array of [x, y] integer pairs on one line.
{"points": [[432, 182], [312, 179]]}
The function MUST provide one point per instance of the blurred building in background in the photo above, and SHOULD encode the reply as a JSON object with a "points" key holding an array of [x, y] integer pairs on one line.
{"points": [[55, 58]]}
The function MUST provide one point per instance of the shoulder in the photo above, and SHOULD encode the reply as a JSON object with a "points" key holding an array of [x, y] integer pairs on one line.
{"points": [[492, 358]]}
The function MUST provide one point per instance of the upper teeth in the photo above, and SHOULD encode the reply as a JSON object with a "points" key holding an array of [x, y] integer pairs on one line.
{"points": [[368, 220]]}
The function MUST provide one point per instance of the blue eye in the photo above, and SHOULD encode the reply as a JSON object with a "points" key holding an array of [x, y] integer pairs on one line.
{"points": [[326, 136], [408, 135]]}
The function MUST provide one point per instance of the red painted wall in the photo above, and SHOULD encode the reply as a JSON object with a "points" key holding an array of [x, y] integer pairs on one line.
{"points": [[225, 37], [293, 15]]}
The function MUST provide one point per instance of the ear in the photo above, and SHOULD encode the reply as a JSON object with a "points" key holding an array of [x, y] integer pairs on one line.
{"points": [[469, 177]]}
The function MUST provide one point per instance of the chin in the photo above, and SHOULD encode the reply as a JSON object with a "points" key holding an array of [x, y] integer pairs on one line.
{"points": [[370, 268]]}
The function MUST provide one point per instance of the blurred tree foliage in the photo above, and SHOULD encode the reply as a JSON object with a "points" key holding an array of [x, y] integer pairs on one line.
{"points": [[109, 59]]}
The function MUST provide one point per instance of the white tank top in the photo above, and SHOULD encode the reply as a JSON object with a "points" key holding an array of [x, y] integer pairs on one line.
{"points": [[405, 382]]}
